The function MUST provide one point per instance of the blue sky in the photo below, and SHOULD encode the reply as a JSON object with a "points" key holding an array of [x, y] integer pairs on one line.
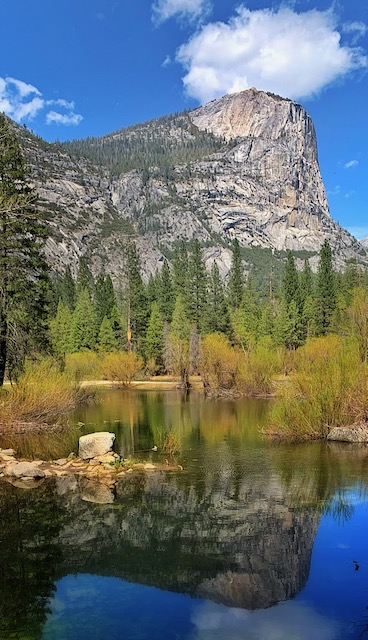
{"points": [[72, 68]]}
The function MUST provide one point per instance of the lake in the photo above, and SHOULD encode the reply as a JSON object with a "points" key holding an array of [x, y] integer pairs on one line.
{"points": [[252, 540]]}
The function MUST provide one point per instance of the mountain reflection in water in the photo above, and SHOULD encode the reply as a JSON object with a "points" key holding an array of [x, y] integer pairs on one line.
{"points": [[235, 530]]}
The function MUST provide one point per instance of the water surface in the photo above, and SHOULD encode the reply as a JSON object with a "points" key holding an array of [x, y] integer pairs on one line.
{"points": [[253, 540]]}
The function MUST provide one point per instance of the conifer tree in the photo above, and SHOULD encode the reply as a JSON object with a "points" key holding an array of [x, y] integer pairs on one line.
{"points": [[83, 331], [68, 289], [104, 297], [136, 296], [181, 265], [155, 336], [197, 286], [176, 349], [218, 319], [326, 293], [291, 290], [85, 278], [166, 292], [60, 330], [236, 277], [152, 286], [118, 328], [306, 282], [23, 272], [106, 340]]}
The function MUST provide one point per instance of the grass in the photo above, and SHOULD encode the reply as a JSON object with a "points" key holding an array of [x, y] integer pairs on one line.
{"points": [[42, 394], [328, 389]]}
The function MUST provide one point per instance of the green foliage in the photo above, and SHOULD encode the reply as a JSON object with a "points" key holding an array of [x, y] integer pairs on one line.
{"points": [[60, 331], [84, 327], [121, 367], [328, 389], [326, 292], [155, 336], [197, 287], [106, 340], [84, 278], [104, 297], [136, 294], [217, 318], [236, 278], [165, 292], [23, 273]]}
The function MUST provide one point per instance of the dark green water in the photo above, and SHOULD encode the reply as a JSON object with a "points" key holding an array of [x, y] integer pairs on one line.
{"points": [[253, 540]]}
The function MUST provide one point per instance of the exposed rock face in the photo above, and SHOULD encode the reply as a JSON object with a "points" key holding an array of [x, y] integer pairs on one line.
{"points": [[95, 444], [364, 242], [247, 168]]}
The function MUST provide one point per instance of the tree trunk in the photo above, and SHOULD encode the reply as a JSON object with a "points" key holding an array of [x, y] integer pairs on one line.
{"points": [[3, 348]]}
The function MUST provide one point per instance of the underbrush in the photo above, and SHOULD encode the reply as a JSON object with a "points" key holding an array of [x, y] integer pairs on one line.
{"points": [[42, 394], [328, 389]]}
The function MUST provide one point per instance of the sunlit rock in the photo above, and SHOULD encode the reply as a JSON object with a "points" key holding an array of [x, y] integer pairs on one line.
{"points": [[95, 444]]}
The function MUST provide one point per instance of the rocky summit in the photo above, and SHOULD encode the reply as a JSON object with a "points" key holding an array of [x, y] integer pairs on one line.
{"points": [[244, 166]]}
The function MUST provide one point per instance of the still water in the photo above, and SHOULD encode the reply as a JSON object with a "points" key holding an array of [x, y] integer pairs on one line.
{"points": [[253, 540]]}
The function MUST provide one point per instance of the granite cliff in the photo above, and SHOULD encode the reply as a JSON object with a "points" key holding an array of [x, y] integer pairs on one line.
{"points": [[244, 166]]}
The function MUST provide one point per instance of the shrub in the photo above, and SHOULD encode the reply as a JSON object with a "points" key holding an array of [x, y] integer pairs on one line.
{"points": [[329, 389], [121, 366], [86, 365], [256, 371], [42, 393], [218, 363]]}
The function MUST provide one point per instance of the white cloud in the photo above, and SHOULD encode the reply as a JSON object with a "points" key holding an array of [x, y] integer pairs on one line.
{"points": [[357, 29], [292, 54], [335, 191], [190, 9], [351, 163], [166, 62], [290, 619], [22, 101], [53, 117]]}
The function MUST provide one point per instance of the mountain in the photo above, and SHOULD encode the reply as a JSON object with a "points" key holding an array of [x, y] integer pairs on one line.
{"points": [[244, 166], [364, 242]]}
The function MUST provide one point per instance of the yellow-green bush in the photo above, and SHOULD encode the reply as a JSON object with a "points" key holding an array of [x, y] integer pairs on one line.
{"points": [[218, 363], [121, 366], [85, 365], [328, 389], [256, 370], [42, 393]]}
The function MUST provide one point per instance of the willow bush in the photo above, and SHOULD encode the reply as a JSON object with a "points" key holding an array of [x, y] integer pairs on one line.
{"points": [[121, 366], [329, 388], [41, 393]]}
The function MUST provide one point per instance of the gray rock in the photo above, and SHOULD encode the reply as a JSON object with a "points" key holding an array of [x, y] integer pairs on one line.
{"points": [[8, 452], [95, 444], [94, 491], [355, 433], [24, 470]]}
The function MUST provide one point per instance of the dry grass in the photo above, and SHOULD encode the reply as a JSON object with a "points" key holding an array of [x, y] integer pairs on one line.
{"points": [[42, 394], [328, 389]]}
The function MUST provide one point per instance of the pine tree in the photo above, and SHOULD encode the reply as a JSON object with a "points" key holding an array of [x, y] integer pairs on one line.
{"points": [[181, 265], [166, 292], [68, 289], [293, 331], [84, 278], [197, 286], [176, 349], [136, 296], [23, 272], [326, 293], [155, 336], [104, 297], [83, 331], [306, 282], [291, 290], [106, 340], [236, 278], [217, 319], [118, 328], [60, 330]]}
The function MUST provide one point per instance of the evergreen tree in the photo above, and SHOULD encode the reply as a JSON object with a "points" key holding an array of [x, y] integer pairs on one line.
{"points": [[68, 289], [60, 330], [218, 319], [309, 317], [326, 294], [236, 277], [166, 292], [136, 296], [152, 288], [306, 282], [291, 290], [83, 330], [155, 336], [181, 265], [293, 331], [84, 278], [176, 348], [23, 272], [104, 297], [197, 286], [118, 328], [106, 340]]}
